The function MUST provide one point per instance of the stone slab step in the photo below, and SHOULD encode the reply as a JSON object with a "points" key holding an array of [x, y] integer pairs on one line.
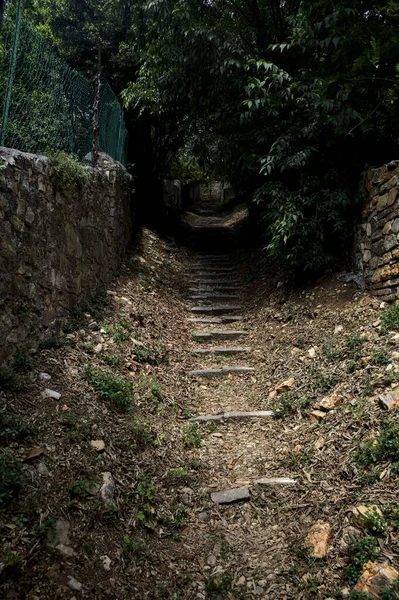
{"points": [[221, 297], [222, 334], [275, 481], [238, 350], [217, 320], [255, 414], [216, 309], [215, 283], [221, 289], [230, 496], [221, 371]]}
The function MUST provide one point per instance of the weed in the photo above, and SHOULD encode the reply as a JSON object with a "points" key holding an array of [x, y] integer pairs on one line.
{"points": [[360, 408], [195, 464], [198, 338], [22, 361], [211, 427], [146, 281], [330, 350], [360, 552], [12, 429], [11, 381], [351, 366], [47, 529], [375, 522], [390, 319], [113, 360], [110, 387], [219, 585], [125, 325], [70, 326], [191, 436], [133, 547], [379, 358], [67, 170], [87, 347], [323, 383], [356, 595], [179, 473], [82, 488], [355, 340], [142, 354], [50, 344], [151, 387], [11, 478], [385, 447], [179, 516], [288, 403], [142, 434]]}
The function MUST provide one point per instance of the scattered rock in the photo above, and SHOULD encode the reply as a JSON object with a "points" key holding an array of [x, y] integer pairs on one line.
{"points": [[74, 584], [273, 394], [390, 400], [329, 402], [286, 386], [51, 394], [97, 445], [211, 560], [107, 489], [242, 580], [276, 481], [106, 562], [312, 352], [296, 351], [230, 496], [318, 540], [395, 355], [66, 550], [44, 377], [316, 416], [395, 339], [338, 329], [42, 469], [98, 348], [204, 517], [59, 536], [94, 326], [375, 578]]}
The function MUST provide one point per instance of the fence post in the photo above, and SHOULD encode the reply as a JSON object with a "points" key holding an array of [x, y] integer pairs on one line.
{"points": [[11, 72], [96, 116]]}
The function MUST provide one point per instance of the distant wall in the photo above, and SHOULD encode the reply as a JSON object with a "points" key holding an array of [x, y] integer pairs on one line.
{"points": [[58, 242], [377, 236]]}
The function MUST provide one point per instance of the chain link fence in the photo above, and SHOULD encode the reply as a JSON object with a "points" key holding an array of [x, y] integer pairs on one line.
{"points": [[47, 106]]}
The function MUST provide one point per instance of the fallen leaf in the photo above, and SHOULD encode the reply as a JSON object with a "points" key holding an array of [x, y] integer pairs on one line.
{"points": [[34, 453]]}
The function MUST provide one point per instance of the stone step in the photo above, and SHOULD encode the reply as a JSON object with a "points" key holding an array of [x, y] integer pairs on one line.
{"points": [[221, 371], [218, 335], [212, 271], [218, 320], [222, 289], [221, 297], [238, 350], [254, 414], [216, 309], [215, 283]]}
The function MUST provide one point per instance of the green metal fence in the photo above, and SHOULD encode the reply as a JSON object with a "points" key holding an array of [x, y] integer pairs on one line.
{"points": [[46, 106]]}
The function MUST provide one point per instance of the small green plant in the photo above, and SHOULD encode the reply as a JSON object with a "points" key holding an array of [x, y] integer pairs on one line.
{"points": [[12, 429], [179, 473], [195, 465], [198, 338], [11, 478], [88, 347], [355, 340], [360, 408], [142, 354], [330, 349], [323, 383], [385, 447], [68, 170], [219, 585], [12, 381], [390, 318], [179, 516], [22, 361], [51, 343], [392, 515], [375, 522], [211, 427], [191, 436], [113, 360], [360, 552], [110, 387], [82, 488], [151, 388], [133, 547], [379, 358], [142, 435], [288, 403]]}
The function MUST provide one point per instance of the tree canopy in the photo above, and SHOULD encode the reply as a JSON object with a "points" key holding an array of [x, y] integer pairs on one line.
{"points": [[289, 100]]}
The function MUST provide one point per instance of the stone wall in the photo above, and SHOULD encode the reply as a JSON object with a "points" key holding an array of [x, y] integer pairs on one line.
{"points": [[59, 242], [377, 245]]}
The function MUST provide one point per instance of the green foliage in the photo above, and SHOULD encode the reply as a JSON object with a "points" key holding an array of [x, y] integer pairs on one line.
{"points": [[113, 360], [191, 436], [11, 381], [11, 478], [390, 318], [360, 552], [82, 488], [384, 448], [380, 358], [68, 171], [355, 340], [12, 429], [117, 391], [179, 473], [219, 585], [133, 548], [143, 435], [288, 403]]}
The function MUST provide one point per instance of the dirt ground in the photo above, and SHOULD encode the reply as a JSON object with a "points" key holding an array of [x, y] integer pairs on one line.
{"points": [[106, 491]]}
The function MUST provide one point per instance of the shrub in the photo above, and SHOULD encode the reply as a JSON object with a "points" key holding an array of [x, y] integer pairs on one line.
{"points": [[110, 387]]}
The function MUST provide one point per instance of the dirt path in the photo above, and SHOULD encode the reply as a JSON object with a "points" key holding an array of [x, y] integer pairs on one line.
{"points": [[108, 491]]}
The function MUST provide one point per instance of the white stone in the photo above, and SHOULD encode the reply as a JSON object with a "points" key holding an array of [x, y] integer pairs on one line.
{"points": [[44, 377], [338, 329], [74, 584], [51, 394]]}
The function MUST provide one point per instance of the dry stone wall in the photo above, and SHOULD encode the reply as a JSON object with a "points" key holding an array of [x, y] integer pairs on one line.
{"points": [[58, 242], [377, 237]]}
